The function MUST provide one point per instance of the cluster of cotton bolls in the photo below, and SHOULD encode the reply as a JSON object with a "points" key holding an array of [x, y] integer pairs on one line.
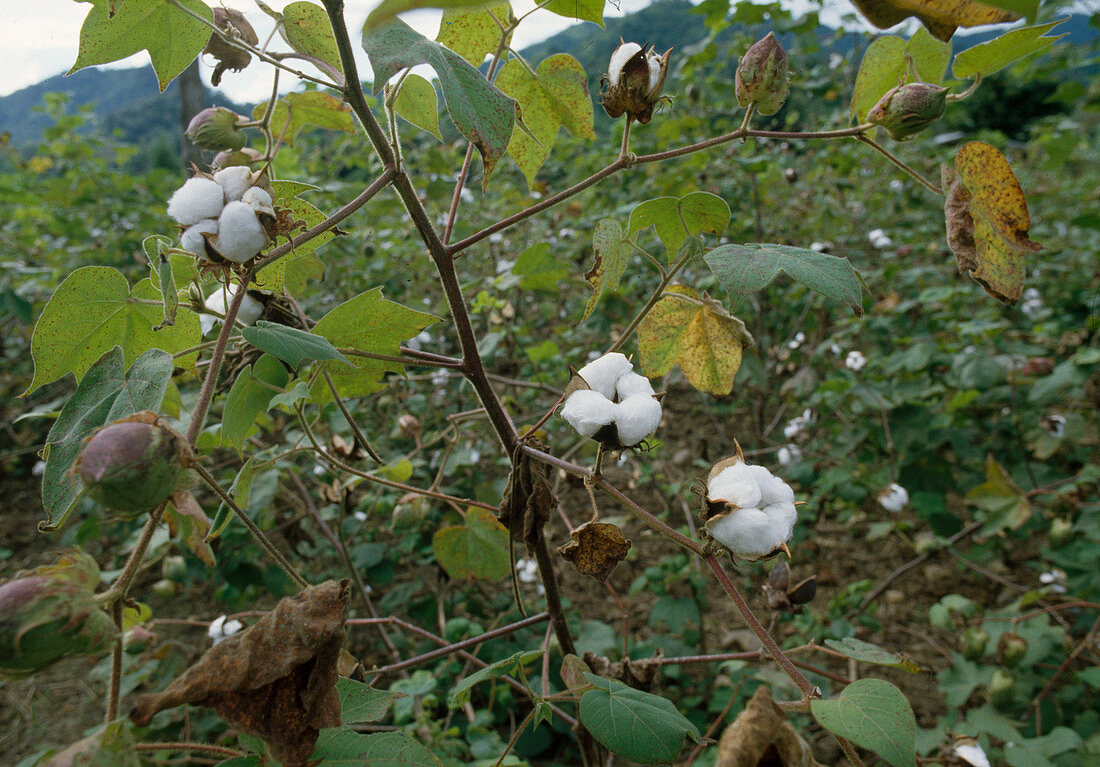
{"points": [[616, 396], [755, 511], [225, 217]]}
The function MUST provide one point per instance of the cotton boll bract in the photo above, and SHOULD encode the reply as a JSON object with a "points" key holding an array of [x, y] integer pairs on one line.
{"points": [[198, 198], [603, 374], [235, 180], [638, 417], [240, 234], [587, 411]]}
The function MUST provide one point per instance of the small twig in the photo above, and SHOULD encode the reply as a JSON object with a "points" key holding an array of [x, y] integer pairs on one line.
{"points": [[897, 161], [206, 748]]}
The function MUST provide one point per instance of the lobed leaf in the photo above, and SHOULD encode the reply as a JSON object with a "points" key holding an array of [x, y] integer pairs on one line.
{"points": [[113, 31], [308, 31], [677, 218], [635, 725], [482, 114], [744, 269], [882, 67], [478, 548], [875, 715], [989, 57], [696, 333]]}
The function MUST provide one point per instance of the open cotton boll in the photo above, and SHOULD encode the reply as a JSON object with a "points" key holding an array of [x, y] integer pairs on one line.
{"points": [[632, 383], [638, 417], [654, 62], [602, 374], [240, 234], [217, 302], [972, 754], [748, 533], [894, 498], [198, 198], [619, 58], [772, 488], [587, 411], [783, 516], [737, 472], [192, 239], [235, 180], [742, 493], [259, 200]]}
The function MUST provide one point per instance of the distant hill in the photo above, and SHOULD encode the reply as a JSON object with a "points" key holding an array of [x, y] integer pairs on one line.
{"points": [[127, 100]]}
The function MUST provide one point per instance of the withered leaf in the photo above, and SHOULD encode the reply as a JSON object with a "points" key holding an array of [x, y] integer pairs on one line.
{"points": [[528, 498], [573, 670], [987, 220], [187, 521], [761, 735], [276, 679], [940, 17], [595, 549], [639, 674]]}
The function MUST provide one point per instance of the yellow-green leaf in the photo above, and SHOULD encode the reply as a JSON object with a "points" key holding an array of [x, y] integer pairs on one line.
{"points": [[987, 220], [294, 111], [93, 310], [307, 30], [476, 549], [417, 103], [612, 251], [882, 67], [929, 55], [113, 31], [387, 10], [677, 218], [473, 33], [696, 333], [996, 54], [1000, 496], [585, 10]]}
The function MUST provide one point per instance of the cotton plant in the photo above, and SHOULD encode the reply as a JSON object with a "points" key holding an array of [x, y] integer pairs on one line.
{"points": [[749, 510], [611, 403]]}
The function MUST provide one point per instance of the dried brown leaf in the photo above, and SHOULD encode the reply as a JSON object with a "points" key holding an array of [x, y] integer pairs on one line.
{"points": [[595, 549], [941, 17], [276, 679], [761, 736], [639, 674], [528, 499]]}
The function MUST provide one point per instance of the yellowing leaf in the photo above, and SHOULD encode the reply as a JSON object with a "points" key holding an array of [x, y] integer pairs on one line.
{"points": [[473, 33], [677, 218], [696, 333], [476, 549], [612, 251], [114, 31], [307, 30], [294, 111], [417, 103], [556, 95], [941, 17], [987, 220]]}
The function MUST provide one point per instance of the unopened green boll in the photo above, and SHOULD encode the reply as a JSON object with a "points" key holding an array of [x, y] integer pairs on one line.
{"points": [[906, 110], [216, 128], [1011, 648], [974, 641], [763, 76]]}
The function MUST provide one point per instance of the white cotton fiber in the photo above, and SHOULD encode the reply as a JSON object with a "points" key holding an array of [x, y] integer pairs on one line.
{"points": [[602, 374], [741, 493], [894, 498], [240, 235], [218, 301], [638, 417], [748, 533], [783, 516], [192, 239], [198, 198], [235, 180], [654, 62], [632, 383], [259, 200], [586, 411], [619, 58]]}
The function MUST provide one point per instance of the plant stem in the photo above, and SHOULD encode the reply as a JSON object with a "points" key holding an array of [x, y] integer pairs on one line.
{"points": [[201, 747], [118, 589], [115, 683], [665, 281], [258, 534], [897, 161]]}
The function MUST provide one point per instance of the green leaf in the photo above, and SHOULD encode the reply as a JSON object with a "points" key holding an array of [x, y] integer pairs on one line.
{"points": [[476, 549], [744, 269], [293, 269], [295, 111], [585, 10], [92, 311], [161, 275], [291, 345], [510, 666], [481, 113], [555, 95], [875, 715], [307, 30], [417, 103], [882, 67], [343, 747], [635, 725], [850, 647], [696, 333], [368, 323], [252, 760], [251, 394], [538, 269], [993, 56], [473, 33], [387, 10], [1006, 504], [362, 703], [677, 218], [105, 394], [114, 30], [612, 251], [930, 56]]}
